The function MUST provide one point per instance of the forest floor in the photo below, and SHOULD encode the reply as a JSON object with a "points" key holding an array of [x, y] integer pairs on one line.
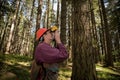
{"points": [[15, 67]]}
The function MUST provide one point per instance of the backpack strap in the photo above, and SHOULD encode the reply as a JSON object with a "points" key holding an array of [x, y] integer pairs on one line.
{"points": [[44, 71], [34, 70]]}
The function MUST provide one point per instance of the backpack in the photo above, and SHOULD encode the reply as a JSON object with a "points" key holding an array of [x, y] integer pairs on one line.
{"points": [[35, 69]]}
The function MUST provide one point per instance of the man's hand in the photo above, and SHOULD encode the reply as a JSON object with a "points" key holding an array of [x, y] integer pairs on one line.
{"points": [[57, 36]]}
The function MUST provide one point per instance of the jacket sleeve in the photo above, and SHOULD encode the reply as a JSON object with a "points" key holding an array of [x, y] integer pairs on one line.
{"points": [[48, 54]]}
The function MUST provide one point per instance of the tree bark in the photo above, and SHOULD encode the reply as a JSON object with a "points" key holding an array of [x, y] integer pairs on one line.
{"points": [[12, 27], [39, 12], [83, 62], [47, 14], [31, 15], [108, 47], [94, 33], [63, 21], [57, 17], [4, 33]]}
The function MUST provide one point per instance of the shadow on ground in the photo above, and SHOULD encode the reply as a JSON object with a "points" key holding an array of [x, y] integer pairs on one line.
{"points": [[14, 67]]}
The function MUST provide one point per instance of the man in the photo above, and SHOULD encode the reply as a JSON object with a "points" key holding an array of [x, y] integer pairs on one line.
{"points": [[49, 56]]}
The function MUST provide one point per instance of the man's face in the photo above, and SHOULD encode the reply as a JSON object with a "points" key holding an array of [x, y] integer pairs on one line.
{"points": [[49, 35]]}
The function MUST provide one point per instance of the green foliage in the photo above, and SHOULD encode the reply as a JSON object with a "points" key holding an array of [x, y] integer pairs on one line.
{"points": [[107, 76], [6, 7], [113, 11], [116, 52], [64, 73], [117, 64]]}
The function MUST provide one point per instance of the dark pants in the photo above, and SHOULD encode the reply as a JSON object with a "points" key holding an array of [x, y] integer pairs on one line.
{"points": [[51, 75]]}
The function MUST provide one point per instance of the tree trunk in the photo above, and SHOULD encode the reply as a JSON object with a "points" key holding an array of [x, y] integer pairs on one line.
{"points": [[44, 19], [57, 17], [94, 33], [52, 5], [108, 55], [1, 26], [83, 62], [23, 40], [47, 14], [63, 21], [31, 15], [39, 12], [69, 24], [63, 25], [3, 36], [29, 28], [102, 34], [52, 15], [12, 27], [16, 38]]}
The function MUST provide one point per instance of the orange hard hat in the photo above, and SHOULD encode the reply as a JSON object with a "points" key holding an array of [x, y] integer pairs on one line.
{"points": [[40, 32]]}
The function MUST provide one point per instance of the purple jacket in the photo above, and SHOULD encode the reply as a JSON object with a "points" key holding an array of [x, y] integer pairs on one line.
{"points": [[45, 53]]}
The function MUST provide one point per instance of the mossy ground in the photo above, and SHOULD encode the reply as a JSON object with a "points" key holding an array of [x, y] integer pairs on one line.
{"points": [[19, 66]]}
